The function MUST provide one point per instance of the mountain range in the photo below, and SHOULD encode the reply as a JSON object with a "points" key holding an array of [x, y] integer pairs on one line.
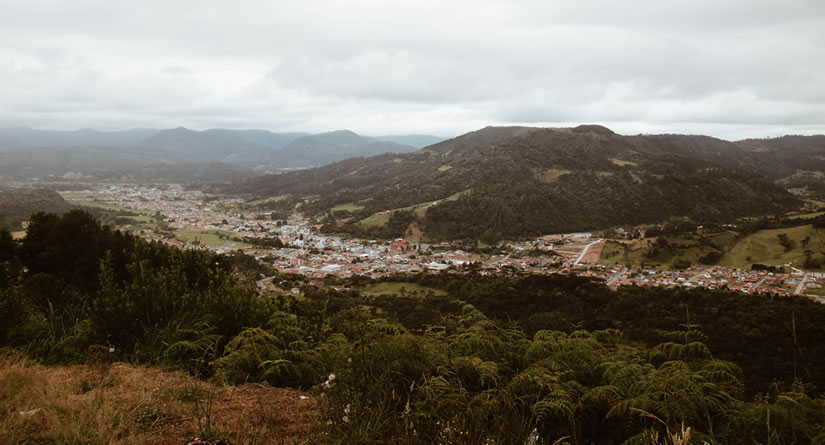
{"points": [[511, 182], [138, 154]]}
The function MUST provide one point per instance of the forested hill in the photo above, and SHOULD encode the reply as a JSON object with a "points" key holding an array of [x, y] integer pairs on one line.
{"points": [[510, 182], [17, 205]]}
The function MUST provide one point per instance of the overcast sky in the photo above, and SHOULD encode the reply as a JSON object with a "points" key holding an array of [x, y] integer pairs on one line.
{"points": [[732, 69]]}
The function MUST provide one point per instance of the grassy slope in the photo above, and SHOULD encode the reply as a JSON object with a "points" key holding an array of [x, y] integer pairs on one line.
{"points": [[209, 237], [267, 200], [377, 219], [350, 206], [763, 247], [639, 252], [391, 288], [124, 404], [807, 215]]}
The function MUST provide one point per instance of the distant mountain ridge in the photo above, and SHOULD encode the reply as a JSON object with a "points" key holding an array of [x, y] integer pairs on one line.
{"points": [[22, 137], [324, 148], [231, 155], [510, 182]]}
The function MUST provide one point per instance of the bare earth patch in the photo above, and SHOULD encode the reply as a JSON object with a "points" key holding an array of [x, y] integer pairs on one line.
{"points": [[594, 253]]}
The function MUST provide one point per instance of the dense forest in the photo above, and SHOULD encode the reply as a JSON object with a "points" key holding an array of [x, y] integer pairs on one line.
{"points": [[515, 182], [477, 359]]}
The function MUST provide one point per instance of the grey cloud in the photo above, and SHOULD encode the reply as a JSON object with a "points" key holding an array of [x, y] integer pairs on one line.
{"points": [[736, 67]]}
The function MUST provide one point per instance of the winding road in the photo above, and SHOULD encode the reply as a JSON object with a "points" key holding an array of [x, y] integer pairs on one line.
{"points": [[584, 251]]}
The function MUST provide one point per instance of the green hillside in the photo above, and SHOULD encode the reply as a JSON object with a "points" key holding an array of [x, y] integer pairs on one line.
{"points": [[526, 182], [800, 246], [764, 247], [17, 205]]}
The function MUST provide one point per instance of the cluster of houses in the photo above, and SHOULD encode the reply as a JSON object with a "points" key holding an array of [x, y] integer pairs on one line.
{"points": [[307, 252], [716, 277]]}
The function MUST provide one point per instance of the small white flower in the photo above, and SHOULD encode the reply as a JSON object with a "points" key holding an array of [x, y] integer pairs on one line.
{"points": [[345, 419], [331, 378], [349, 360], [346, 410], [111, 349]]}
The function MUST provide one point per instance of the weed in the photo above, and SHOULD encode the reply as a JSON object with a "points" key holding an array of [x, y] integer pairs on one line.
{"points": [[147, 415], [190, 392]]}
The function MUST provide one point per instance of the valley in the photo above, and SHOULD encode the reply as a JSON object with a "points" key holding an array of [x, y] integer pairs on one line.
{"points": [[467, 268], [192, 219], [412, 223]]}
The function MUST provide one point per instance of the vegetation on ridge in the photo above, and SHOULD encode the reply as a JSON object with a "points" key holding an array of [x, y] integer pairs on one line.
{"points": [[517, 182]]}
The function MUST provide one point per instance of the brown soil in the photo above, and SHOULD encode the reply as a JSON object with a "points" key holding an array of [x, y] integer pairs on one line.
{"points": [[413, 233], [594, 253], [148, 405]]}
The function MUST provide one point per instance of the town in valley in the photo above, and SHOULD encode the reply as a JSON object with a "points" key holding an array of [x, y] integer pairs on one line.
{"points": [[192, 219]]}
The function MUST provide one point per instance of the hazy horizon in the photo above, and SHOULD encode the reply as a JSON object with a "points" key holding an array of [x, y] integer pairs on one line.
{"points": [[733, 70]]}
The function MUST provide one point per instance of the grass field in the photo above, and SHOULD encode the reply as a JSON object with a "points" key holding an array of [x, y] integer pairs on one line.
{"points": [[394, 288], [267, 200], [143, 222], [613, 253], [76, 196], [549, 175], [376, 220], [350, 207], [724, 239], [621, 163], [763, 247], [807, 215], [106, 205], [820, 291], [209, 237], [455, 196], [639, 252]]}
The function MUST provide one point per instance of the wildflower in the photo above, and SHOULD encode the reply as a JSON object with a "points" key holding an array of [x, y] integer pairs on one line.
{"points": [[349, 360], [331, 378], [345, 419], [111, 349], [346, 410]]}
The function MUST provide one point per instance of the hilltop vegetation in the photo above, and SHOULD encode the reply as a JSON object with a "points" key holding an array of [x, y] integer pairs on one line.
{"points": [[514, 182], [455, 358]]}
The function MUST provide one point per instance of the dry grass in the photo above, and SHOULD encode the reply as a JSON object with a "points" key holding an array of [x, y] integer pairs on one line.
{"points": [[120, 403]]}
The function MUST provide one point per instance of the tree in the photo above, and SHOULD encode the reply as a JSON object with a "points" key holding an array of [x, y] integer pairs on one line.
{"points": [[8, 247], [786, 242]]}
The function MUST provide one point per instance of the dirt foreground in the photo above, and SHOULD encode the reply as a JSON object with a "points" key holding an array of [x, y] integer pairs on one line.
{"points": [[121, 403]]}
